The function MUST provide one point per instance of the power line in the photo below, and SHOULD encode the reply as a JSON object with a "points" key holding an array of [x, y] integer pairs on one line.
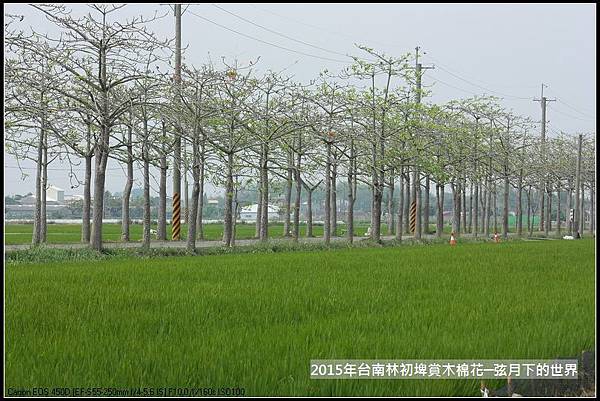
{"points": [[574, 109], [555, 130], [483, 82], [570, 106], [280, 34], [312, 26], [481, 87], [442, 68], [572, 116], [268, 43], [452, 86]]}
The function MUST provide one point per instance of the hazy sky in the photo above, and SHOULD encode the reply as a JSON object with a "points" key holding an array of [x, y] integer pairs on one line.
{"points": [[506, 50]]}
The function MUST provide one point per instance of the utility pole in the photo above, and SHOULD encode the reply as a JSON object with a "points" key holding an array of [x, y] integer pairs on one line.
{"points": [[176, 220], [543, 101], [416, 181], [578, 208]]}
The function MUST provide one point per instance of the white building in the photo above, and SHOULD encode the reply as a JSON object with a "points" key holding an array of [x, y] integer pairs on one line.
{"points": [[248, 213], [73, 198], [55, 194]]}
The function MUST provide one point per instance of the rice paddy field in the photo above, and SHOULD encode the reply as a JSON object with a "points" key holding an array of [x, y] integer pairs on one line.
{"points": [[254, 321], [71, 233]]}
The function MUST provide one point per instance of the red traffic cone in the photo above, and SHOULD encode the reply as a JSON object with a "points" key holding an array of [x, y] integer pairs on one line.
{"points": [[496, 237], [452, 239]]}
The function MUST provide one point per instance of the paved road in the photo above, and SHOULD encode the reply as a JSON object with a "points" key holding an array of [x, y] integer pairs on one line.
{"points": [[206, 244]]}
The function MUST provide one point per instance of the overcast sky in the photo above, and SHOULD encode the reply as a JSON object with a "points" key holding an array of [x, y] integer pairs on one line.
{"points": [[503, 50]]}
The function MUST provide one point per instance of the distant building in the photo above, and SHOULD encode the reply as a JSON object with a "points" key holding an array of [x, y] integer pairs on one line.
{"points": [[27, 200], [73, 198], [55, 194], [249, 213]]}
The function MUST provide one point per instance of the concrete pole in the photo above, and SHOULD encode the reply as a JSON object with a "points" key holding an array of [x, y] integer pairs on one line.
{"points": [[176, 220]]}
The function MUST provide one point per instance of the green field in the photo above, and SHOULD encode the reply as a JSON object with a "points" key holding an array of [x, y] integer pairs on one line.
{"points": [[256, 320], [71, 233]]}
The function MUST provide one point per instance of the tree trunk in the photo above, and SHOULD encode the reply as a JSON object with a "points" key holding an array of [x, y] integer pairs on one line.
{"points": [[488, 209], [200, 205], [376, 214], [191, 240], [161, 231], [463, 205], [309, 215], [417, 196], [259, 199], [456, 213], [351, 194], [264, 173], [147, 220], [44, 220], [258, 209], [558, 222], [125, 221], [235, 213], [476, 211], [101, 153], [390, 204], [581, 213], [327, 222], [350, 211], [483, 205], [569, 207], [193, 212], [37, 220], [495, 206], [85, 219], [101, 156], [519, 213], [186, 188], [529, 222], [426, 206], [548, 225], [298, 200], [333, 230], [470, 222], [541, 208], [407, 201], [592, 208], [439, 229], [505, 208], [400, 217], [228, 223], [288, 198]]}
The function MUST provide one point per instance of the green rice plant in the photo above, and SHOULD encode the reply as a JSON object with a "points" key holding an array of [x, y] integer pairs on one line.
{"points": [[256, 320]]}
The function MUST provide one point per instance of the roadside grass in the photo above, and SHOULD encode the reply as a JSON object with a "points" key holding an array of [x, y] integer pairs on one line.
{"points": [[46, 254], [256, 320]]}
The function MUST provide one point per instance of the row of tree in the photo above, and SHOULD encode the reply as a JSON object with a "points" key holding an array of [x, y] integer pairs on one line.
{"points": [[99, 91]]}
